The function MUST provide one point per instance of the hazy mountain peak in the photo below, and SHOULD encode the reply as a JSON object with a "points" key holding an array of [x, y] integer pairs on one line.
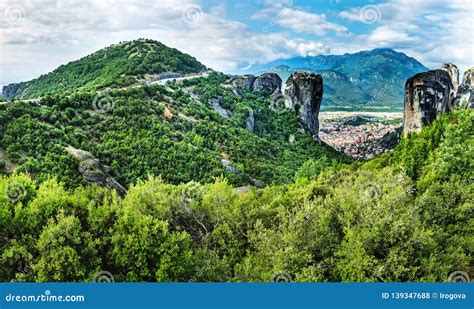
{"points": [[367, 79]]}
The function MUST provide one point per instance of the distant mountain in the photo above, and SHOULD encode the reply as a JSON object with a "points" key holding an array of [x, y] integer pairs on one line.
{"points": [[114, 66], [367, 79]]}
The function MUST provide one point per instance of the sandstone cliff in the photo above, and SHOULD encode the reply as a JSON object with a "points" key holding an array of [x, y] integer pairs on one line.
{"points": [[303, 94], [427, 95], [267, 82], [453, 72], [93, 172], [11, 90], [465, 93]]}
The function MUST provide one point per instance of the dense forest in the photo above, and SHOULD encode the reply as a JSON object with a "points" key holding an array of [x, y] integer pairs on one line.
{"points": [[406, 215], [162, 130], [115, 66]]}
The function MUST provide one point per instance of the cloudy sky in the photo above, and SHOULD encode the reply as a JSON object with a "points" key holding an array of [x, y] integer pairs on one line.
{"points": [[39, 35]]}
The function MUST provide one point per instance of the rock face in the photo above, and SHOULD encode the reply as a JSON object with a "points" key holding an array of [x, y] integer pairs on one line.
{"points": [[453, 72], [465, 93], [229, 167], [9, 91], [468, 78], [93, 172], [427, 95], [267, 82], [244, 82], [303, 94], [216, 105], [250, 121]]}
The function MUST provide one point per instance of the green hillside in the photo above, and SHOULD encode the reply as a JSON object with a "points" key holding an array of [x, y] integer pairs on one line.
{"points": [[114, 66], [404, 216], [170, 131]]}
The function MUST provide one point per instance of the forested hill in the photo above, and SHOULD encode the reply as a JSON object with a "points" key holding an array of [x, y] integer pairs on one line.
{"points": [[192, 130], [404, 216], [114, 66]]}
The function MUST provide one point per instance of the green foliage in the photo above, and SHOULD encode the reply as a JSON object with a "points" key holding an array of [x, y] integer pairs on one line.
{"points": [[311, 168], [156, 130], [363, 222]]}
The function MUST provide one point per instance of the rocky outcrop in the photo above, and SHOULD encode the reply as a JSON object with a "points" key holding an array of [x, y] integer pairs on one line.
{"points": [[268, 82], [250, 121], [276, 95], [303, 94], [468, 78], [93, 172], [229, 167], [427, 95], [11, 90], [216, 105], [244, 82], [453, 72], [465, 93]]}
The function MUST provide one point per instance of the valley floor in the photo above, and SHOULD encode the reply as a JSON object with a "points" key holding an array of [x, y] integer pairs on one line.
{"points": [[360, 134]]}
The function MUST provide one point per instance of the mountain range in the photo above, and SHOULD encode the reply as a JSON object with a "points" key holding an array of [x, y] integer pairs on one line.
{"points": [[368, 80]]}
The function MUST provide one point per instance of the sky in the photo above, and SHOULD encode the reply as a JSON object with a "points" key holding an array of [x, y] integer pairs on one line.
{"points": [[232, 36]]}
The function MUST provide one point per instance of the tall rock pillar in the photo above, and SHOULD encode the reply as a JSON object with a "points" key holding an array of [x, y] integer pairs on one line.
{"points": [[303, 94], [427, 95]]}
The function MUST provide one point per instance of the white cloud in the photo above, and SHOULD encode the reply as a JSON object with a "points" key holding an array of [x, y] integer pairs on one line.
{"points": [[387, 37], [55, 32], [286, 15], [44, 34], [305, 22], [432, 31]]}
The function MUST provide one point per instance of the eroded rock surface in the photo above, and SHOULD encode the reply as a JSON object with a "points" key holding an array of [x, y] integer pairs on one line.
{"points": [[303, 94], [468, 78], [268, 82], [216, 105], [427, 95], [453, 72], [93, 172], [250, 121], [244, 82], [11, 90], [465, 93]]}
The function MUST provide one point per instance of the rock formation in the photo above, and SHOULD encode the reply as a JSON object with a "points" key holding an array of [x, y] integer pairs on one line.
{"points": [[250, 121], [465, 93], [453, 72], [93, 172], [427, 95], [216, 105], [303, 94], [468, 78], [268, 82], [229, 167], [11, 90], [244, 82]]}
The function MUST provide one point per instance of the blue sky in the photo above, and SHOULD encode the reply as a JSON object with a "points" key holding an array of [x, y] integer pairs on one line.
{"points": [[39, 35]]}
